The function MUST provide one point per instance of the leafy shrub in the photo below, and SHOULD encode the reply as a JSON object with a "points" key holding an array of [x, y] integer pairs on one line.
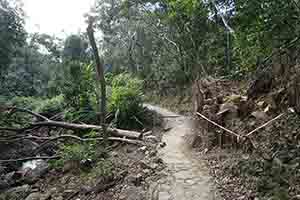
{"points": [[109, 78], [47, 107], [51, 106], [126, 101], [78, 86], [78, 152], [25, 102], [127, 80]]}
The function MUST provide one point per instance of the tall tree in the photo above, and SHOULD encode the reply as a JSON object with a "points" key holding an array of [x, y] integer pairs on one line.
{"points": [[99, 74], [12, 33]]}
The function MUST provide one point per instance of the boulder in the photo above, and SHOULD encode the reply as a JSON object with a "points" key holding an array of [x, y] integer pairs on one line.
{"points": [[32, 175], [259, 115]]}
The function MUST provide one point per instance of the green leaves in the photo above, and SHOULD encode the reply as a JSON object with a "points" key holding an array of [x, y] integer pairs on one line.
{"points": [[12, 33], [126, 101]]}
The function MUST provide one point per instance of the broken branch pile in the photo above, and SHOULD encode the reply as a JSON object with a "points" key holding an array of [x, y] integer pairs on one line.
{"points": [[229, 118], [262, 124]]}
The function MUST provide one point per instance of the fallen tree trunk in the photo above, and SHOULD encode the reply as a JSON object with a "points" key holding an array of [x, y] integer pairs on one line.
{"points": [[72, 126], [46, 122]]}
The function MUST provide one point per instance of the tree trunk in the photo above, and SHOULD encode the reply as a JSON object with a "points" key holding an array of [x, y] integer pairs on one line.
{"points": [[99, 75]]}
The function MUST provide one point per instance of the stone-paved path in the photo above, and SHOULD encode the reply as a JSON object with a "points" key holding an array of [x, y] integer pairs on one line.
{"points": [[186, 177]]}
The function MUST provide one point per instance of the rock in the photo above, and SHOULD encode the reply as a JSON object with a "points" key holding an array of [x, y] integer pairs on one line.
{"points": [[143, 148], [146, 171], [297, 197], [261, 104], [166, 129], [71, 165], [158, 160], [210, 109], [242, 197], [228, 108], [4, 184], [152, 153], [32, 175], [132, 193], [154, 166], [17, 193], [162, 144], [34, 196], [59, 198], [208, 101], [114, 154], [234, 98], [130, 148], [12, 177], [151, 139], [135, 179], [144, 165], [46, 196], [259, 115], [67, 193]]}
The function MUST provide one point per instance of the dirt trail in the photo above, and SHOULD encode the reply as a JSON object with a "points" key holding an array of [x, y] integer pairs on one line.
{"points": [[186, 177]]}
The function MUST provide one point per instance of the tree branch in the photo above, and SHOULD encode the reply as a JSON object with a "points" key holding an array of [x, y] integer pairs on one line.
{"points": [[13, 109], [31, 158], [72, 126]]}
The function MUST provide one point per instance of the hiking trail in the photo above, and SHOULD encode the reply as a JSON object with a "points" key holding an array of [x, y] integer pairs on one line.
{"points": [[186, 177]]}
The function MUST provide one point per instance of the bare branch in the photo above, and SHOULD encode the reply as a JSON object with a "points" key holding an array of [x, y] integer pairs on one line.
{"points": [[24, 110], [49, 139], [223, 18]]}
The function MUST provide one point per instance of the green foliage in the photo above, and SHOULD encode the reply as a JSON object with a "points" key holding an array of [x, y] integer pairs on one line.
{"points": [[126, 101], [78, 84], [51, 106], [12, 33], [262, 26], [109, 78], [47, 107], [85, 114], [30, 67], [25, 102], [78, 152], [127, 80]]}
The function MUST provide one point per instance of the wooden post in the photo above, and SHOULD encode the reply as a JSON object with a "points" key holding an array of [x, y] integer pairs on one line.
{"points": [[99, 75]]}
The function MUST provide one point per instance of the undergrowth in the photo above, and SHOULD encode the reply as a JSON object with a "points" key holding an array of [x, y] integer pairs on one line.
{"points": [[126, 103]]}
